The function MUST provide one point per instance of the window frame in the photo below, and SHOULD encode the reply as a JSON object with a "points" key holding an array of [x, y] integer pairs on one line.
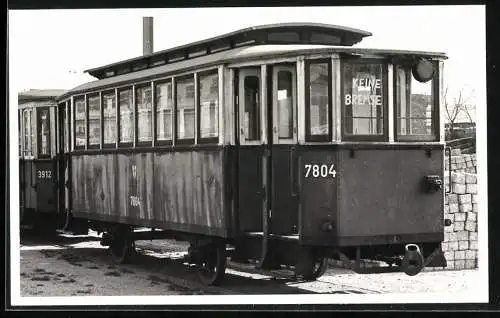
{"points": [[307, 99], [39, 133], [124, 144], [384, 137], [164, 142], [206, 140], [138, 143], [75, 99], [87, 117], [184, 141], [104, 93], [435, 113]]}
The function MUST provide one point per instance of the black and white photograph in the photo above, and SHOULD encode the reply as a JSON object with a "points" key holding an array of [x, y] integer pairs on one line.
{"points": [[247, 155]]}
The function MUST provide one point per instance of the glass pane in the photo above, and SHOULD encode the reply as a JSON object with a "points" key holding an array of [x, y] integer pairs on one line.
{"points": [[126, 116], [164, 111], [27, 133], [66, 131], [94, 120], [363, 97], [109, 112], [33, 131], [185, 108], [318, 99], [414, 105], [251, 121], [44, 132], [144, 113], [209, 105], [80, 122], [285, 104]]}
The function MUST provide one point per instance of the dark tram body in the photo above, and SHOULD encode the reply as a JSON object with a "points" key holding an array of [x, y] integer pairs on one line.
{"points": [[37, 162], [282, 142]]}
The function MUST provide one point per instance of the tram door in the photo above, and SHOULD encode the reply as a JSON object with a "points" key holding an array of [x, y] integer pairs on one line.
{"points": [[282, 136], [266, 157], [45, 168], [252, 152]]}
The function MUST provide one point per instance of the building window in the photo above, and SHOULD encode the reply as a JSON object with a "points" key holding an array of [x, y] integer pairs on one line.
{"points": [[363, 99], [109, 113], [80, 127], [43, 132], [209, 105], [143, 99], [414, 107], [164, 106], [126, 116], [185, 108], [94, 120], [318, 126]]}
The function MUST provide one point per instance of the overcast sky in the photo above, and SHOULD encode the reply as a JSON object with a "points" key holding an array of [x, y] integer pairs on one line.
{"points": [[52, 48]]}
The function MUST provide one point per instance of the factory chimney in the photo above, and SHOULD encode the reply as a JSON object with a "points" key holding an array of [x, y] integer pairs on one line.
{"points": [[147, 35]]}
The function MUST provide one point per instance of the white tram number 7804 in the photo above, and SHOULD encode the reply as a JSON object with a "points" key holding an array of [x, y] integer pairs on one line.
{"points": [[320, 171]]}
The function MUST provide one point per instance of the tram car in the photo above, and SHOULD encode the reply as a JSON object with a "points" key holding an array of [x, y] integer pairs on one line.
{"points": [[41, 172], [280, 144]]}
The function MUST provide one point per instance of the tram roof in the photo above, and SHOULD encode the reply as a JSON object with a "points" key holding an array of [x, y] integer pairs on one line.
{"points": [[279, 33], [248, 53], [39, 95]]}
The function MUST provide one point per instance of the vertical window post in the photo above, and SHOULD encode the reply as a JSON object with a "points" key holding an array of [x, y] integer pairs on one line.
{"points": [[390, 102], [117, 118], [153, 114], [101, 121], [86, 121], [196, 113]]}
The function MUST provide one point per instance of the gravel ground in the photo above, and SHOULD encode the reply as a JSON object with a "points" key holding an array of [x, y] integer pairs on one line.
{"points": [[78, 265]]}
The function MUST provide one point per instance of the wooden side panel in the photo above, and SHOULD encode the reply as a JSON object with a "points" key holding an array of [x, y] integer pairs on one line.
{"points": [[189, 188], [181, 191]]}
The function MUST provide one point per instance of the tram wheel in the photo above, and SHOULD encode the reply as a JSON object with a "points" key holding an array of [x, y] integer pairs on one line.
{"points": [[318, 268], [122, 248], [310, 266], [213, 263]]}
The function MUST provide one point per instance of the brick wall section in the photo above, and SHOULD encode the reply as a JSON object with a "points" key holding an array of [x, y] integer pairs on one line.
{"points": [[460, 244]]}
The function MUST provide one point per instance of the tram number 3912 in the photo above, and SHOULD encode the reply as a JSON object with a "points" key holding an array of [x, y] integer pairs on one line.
{"points": [[320, 171]]}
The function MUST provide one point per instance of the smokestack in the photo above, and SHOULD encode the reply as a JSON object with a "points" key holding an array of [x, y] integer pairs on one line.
{"points": [[147, 35]]}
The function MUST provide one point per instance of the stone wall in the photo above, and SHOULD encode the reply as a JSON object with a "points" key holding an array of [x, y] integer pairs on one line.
{"points": [[460, 239]]}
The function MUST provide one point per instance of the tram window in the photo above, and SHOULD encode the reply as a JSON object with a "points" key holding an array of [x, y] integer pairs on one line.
{"points": [[363, 99], [27, 132], [80, 122], [185, 108], [209, 105], [164, 107], [285, 104], [318, 122], [109, 105], [33, 131], [126, 116], [66, 131], [251, 124], [44, 132], [94, 120], [144, 113], [414, 107]]}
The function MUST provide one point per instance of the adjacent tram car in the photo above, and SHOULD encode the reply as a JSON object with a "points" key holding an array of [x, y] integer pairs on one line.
{"points": [[42, 173], [37, 159], [282, 144]]}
